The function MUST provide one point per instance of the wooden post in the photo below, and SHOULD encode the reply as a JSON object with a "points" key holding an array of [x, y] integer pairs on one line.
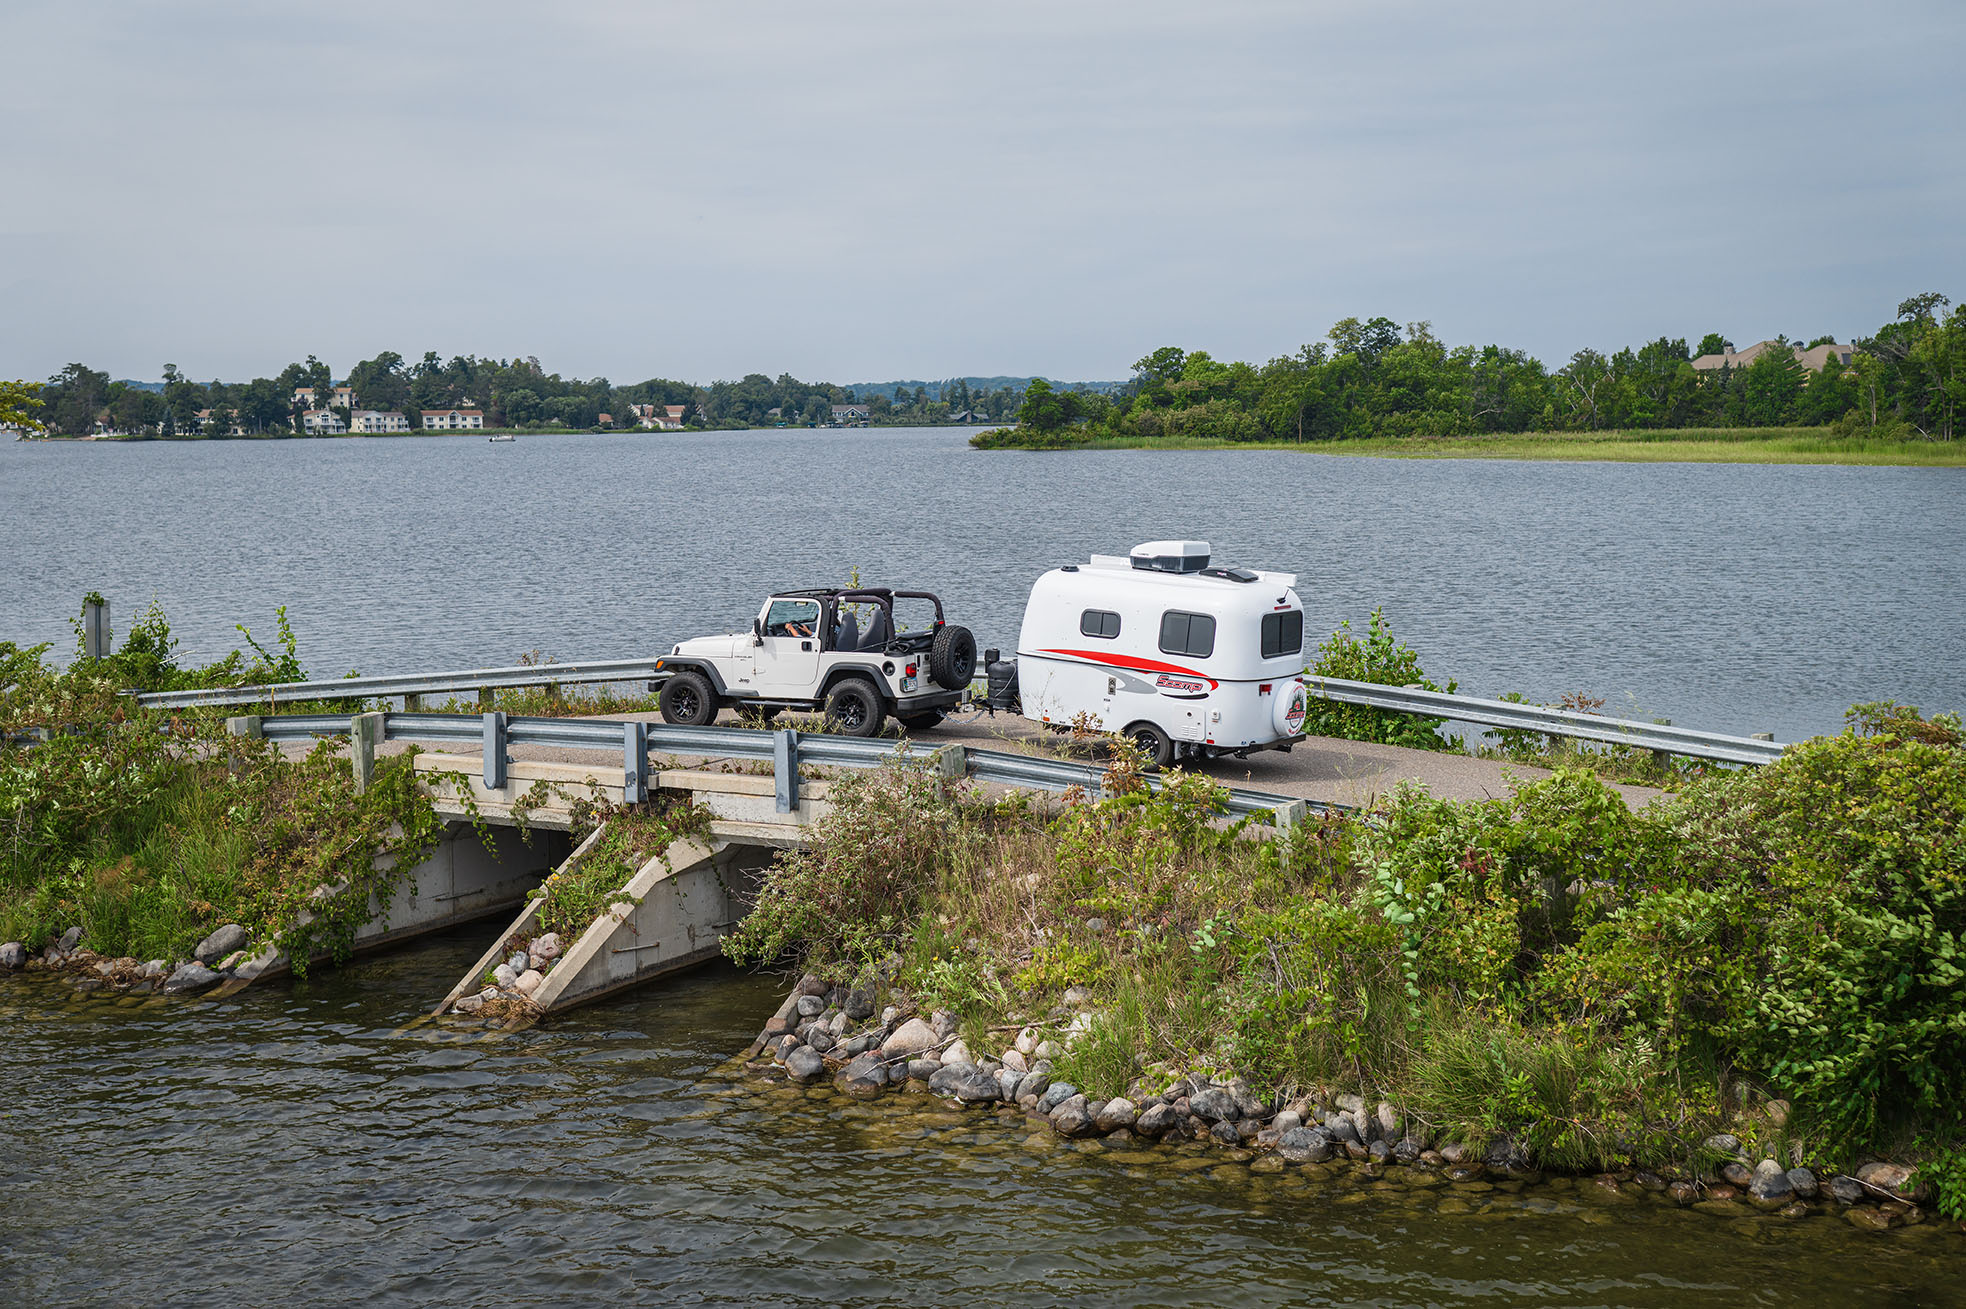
{"points": [[364, 734], [412, 703]]}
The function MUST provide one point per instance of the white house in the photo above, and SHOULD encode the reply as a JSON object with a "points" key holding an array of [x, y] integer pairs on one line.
{"points": [[453, 420], [372, 420], [322, 422], [850, 415], [344, 397]]}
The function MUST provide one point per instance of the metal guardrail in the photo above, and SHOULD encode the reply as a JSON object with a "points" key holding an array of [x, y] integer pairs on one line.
{"points": [[272, 694], [495, 733], [1661, 737]]}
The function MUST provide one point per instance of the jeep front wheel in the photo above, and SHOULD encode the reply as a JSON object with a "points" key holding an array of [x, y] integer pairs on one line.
{"points": [[952, 657], [854, 708], [688, 700]]}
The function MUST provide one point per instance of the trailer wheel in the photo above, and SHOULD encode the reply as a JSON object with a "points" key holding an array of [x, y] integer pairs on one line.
{"points": [[920, 722], [688, 700], [854, 708], [1152, 742], [952, 657]]}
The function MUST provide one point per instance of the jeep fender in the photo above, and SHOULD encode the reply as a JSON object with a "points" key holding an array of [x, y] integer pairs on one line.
{"points": [[872, 672], [677, 663]]}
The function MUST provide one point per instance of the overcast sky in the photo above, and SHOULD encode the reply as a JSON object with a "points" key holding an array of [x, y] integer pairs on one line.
{"points": [[860, 191]]}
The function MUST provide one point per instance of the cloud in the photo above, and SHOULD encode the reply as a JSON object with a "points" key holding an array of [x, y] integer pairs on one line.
{"points": [[859, 190]]}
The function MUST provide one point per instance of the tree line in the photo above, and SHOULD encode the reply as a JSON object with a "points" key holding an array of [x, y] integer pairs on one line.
{"points": [[1371, 378]]}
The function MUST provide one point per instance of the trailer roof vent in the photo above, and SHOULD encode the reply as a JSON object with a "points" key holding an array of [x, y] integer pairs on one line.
{"points": [[1171, 556]]}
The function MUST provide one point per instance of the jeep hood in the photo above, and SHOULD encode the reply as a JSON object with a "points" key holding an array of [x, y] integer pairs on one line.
{"points": [[712, 647]]}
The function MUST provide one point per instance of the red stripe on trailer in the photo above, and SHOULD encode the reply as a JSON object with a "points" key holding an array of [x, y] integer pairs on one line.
{"points": [[1137, 665]]}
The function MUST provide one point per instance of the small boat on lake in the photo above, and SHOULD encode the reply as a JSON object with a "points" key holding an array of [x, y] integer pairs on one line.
{"points": [[502, 436]]}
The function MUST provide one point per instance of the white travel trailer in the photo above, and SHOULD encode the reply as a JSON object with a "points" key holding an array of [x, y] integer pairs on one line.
{"points": [[1187, 660]]}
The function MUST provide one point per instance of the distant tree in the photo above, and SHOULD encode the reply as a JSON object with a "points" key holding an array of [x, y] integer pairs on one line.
{"points": [[1770, 386], [75, 397], [1368, 340], [1045, 409], [1713, 343]]}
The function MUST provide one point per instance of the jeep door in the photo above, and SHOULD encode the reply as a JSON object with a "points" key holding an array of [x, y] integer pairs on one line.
{"points": [[785, 664]]}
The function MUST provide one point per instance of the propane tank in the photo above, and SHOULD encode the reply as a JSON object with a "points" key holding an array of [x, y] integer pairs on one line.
{"points": [[1003, 681]]}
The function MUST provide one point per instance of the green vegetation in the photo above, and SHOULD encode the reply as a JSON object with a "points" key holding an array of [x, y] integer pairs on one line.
{"points": [[18, 402], [1369, 387], [151, 829], [1602, 985], [573, 899]]}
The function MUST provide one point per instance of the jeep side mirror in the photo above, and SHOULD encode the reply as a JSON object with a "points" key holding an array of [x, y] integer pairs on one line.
{"points": [[757, 631]]}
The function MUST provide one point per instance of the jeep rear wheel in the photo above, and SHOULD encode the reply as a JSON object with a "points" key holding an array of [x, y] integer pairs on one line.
{"points": [[952, 657], [854, 708], [1152, 742], [688, 700]]}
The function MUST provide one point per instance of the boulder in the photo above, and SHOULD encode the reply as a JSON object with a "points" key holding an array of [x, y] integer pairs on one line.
{"points": [[810, 1006], [819, 1038], [1070, 1117], [469, 1004], [191, 977], [1723, 1143], [1804, 1183], [864, 1077], [529, 982], [69, 940], [974, 1086], [503, 977], [1897, 1179], [1115, 1114], [1287, 1119], [889, 1014], [1389, 1122], [1033, 1084], [548, 947], [1155, 1120], [1212, 1105], [1770, 1187], [858, 1045], [944, 1024], [958, 1053], [923, 1069], [1344, 1130], [813, 985], [518, 961], [1054, 1095], [1048, 1050], [911, 1039], [1014, 1060], [1304, 1145], [1847, 1190], [1737, 1174], [1077, 997], [805, 1064], [1224, 1130], [1027, 1041], [859, 1005], [13, 955], [1248, 1103]]}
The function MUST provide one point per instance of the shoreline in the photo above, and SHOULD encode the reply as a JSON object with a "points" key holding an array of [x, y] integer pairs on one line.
{"points": [[1779, 446], [828, 1032]]}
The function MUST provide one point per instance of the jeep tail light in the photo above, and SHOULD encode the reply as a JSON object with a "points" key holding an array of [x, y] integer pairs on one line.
{"points": [[909, 670]]}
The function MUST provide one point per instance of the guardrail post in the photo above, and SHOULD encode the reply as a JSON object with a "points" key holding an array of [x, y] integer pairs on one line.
{"points": [[495, 750], [1663, 758], [96, 636], [1762, 736], [247, 725], [634, 762], [412, 703], [1291, 813], [952, 762], [364, 733], [785, 768], [485, 699]]}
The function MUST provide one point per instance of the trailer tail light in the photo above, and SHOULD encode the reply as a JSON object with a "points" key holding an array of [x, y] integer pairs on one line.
{"points": [[1264, 689]]}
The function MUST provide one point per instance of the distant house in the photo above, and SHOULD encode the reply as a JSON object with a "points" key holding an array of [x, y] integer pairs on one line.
{"points": [[1812, 359], [205, 422], [322, 422], [850, 415], [343, 398], [371, 420], [661, 418], [453, 420], [604, 420]]}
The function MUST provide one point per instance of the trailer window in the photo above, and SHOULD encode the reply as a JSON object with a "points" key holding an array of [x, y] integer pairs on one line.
{"points": [[1283, 634], [1187, 634], [1099, 622]]}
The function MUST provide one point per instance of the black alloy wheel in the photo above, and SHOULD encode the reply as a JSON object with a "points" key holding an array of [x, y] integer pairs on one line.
{"points": [[1157, 745], [854, 708], [688, 700]]}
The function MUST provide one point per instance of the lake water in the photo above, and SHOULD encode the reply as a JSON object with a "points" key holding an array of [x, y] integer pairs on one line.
{"points": [[305, 1144], [312, 1143], [1735, 598]]}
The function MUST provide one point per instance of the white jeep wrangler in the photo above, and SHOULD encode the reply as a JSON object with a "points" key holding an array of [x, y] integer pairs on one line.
{"points": [[832, 649]]}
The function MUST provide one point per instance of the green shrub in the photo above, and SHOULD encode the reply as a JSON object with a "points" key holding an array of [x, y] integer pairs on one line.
{"points": [[1379, 659], [851, 896]]}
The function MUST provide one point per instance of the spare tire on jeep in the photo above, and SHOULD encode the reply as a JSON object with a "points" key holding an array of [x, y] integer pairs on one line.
{"points": [[952, 657]]}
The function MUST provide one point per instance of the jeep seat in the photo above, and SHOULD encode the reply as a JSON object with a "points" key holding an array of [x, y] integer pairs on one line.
{"points": [[876, 638], [846, 635]]}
